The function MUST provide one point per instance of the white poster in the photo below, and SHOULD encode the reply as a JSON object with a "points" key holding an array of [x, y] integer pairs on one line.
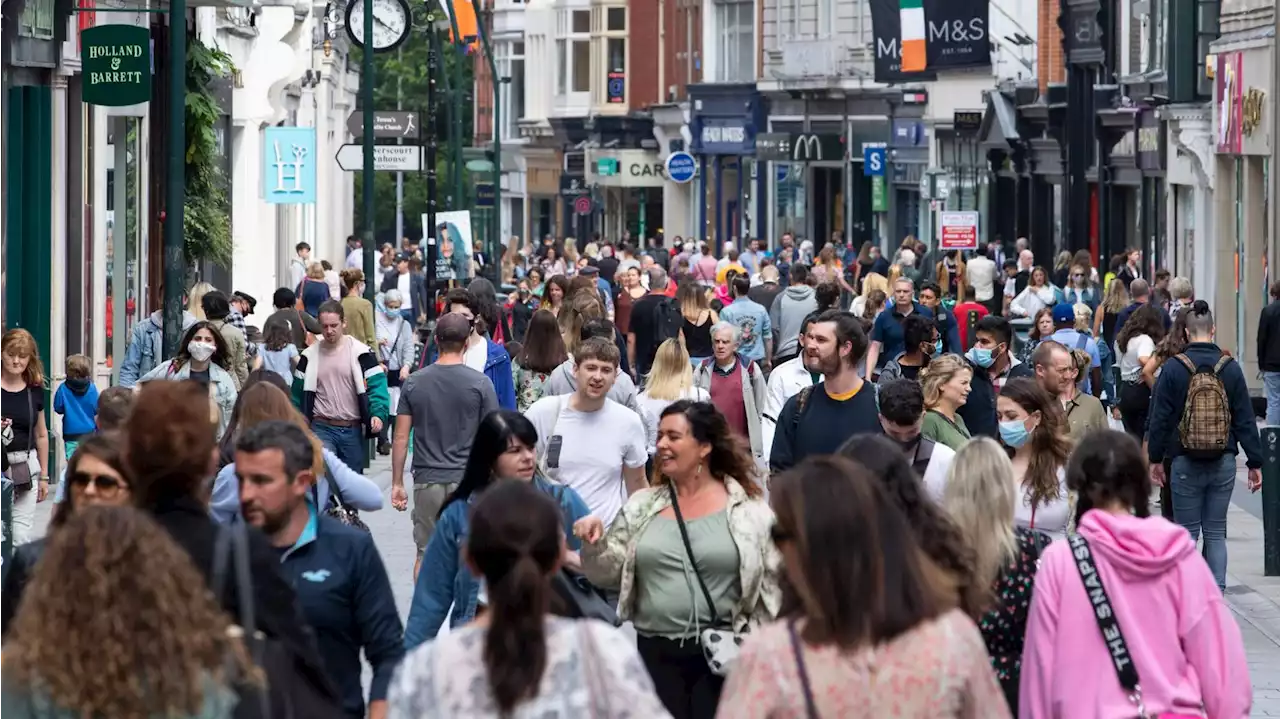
{"points": [[452, 236]]}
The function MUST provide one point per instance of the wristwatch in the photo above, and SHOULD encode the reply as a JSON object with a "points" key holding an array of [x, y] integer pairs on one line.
{"points": [[44, 478]]}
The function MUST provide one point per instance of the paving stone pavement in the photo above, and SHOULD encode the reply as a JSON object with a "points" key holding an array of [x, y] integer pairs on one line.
{"points": [[1253, 597]]}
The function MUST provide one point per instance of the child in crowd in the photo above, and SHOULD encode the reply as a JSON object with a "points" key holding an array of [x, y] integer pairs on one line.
{"points": [[276, 350], [77, 401], [114, 406]]}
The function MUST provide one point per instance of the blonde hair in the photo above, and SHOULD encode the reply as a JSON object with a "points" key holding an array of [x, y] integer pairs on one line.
{"points": [[938, 372], [1084, 317], [874, 281], [574, 313], [981, 496], [671, 375], [570, 251], [315, 271], [895, 272], [19, 343], [195, 295]]}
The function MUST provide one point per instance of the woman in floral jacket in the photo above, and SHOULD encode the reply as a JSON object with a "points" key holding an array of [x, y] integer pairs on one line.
{"points": [[689, 560]]}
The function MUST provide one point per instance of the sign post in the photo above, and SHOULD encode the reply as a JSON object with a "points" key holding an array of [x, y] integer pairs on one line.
{"points": [[386, 158], [959, 231]]}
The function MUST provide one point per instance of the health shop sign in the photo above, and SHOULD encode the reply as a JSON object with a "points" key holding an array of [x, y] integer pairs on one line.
{"points": [[115, 65], [915, 39], [959, 231]]}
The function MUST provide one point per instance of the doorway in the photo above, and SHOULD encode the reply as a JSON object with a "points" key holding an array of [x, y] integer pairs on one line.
{"points": [[827, 201]]}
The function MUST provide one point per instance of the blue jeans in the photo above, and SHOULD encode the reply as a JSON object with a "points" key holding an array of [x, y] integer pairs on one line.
{"points": [[1271, 383], [346, 442], [1201, 497]]}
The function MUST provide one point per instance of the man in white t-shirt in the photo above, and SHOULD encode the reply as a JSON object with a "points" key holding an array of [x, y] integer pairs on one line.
{"points": [[355, 253], [588, 442], [981, 273]]}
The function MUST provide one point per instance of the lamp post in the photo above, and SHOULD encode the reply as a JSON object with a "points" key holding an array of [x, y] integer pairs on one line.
{"points": [[175, 180], [483, 31], [367, 170]]}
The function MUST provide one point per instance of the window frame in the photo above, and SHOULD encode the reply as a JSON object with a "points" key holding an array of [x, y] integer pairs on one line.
{"points": [[738, 35], [567, 40]]}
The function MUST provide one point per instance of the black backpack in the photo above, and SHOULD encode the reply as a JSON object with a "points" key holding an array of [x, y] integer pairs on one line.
{"points": [[667, 320]]}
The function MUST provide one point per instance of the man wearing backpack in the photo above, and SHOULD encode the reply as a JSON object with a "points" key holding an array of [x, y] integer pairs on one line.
{"points": [[655, 318], [1201, 412]]}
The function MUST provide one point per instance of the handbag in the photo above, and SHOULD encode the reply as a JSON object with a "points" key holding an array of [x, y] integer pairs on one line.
{"points": [[286, 694], [811, 707], [575, 596], [21, 472], [1109, 625], [720, 647], [338, 508]]}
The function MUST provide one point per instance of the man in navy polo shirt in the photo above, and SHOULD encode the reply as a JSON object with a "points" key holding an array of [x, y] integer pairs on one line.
{"points": [[887, 341]]}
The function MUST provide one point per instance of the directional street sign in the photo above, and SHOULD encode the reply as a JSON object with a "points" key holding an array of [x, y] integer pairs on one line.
{"points": [[386, 158], [392, 124]]}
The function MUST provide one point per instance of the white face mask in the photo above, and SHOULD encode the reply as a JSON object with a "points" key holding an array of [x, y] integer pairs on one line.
{"points": [[201, 351]]}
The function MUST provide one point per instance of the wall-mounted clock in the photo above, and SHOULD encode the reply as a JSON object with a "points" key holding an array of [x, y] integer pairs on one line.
{"points": [[391, 23]]}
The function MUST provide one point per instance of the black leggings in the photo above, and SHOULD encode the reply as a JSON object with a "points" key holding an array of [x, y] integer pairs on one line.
{"points": [[1135, 406], [681, 676]]}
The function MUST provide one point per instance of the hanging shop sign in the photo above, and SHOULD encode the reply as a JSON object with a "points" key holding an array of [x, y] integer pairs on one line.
{"points": [[289, 165], [1228, 109], [681, 167], [879, 194], [115, 65], [1252, 111], [914, 39]]}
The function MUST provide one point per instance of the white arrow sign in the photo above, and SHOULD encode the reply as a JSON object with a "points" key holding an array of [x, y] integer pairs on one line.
{"points": [[388, 158]]}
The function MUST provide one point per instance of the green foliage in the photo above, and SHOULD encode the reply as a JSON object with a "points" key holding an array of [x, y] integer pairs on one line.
{"points": [[406, 70], [207, 214]]}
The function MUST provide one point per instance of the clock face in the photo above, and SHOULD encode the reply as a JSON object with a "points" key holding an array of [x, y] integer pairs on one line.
{"points": [[390, 22]]}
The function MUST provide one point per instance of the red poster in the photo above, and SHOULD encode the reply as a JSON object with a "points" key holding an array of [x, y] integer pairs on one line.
{"points": [[1228, 109]]}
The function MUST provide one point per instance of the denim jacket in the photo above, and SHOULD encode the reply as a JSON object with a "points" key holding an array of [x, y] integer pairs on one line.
{"points": [[144, 352], [445, 582]]}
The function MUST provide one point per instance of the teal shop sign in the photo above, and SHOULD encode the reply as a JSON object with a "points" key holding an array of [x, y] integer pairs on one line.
{"points": [[289, 165], [115, 65]]}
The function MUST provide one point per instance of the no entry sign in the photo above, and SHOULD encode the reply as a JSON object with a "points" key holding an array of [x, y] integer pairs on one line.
{"points": [[959, 230]]}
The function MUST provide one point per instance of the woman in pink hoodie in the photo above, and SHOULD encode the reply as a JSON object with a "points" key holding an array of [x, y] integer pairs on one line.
{"points": [[1169, 631]]}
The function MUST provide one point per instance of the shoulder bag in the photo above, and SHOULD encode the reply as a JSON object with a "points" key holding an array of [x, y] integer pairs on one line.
{"points": [[24, 465], [720, 647], [575, 596], [810, 706], [1109, 625], [338, 508]]}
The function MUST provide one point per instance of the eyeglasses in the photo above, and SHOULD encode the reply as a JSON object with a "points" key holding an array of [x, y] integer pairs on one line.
{"points": [[104, 483]]}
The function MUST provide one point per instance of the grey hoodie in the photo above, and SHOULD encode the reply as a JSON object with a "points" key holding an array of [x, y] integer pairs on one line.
{"points": [[787, 314], [562, 381]]}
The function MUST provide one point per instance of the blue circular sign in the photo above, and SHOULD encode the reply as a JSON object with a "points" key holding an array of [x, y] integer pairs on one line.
{"points": [[681, 167]]}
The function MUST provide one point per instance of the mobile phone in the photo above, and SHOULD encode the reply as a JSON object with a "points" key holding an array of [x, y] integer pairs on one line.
{"points": [[553, 451]]}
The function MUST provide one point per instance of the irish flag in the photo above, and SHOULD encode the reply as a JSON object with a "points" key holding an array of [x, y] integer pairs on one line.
{"points": [[911, 13]]}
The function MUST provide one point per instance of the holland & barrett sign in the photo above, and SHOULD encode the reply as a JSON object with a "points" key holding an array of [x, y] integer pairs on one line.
{"points": [[115, 65]]}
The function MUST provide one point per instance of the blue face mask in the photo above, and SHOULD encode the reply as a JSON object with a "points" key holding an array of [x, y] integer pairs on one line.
{"points": [[1014, 433], [937, 346], [981, 356]]}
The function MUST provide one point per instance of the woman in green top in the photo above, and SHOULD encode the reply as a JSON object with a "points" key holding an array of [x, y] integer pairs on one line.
{"points": [[946, 388], [357, 310]]}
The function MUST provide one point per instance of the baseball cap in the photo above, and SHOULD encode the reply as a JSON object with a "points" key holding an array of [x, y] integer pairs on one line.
{"points": [[402, 257], [1063, 313], [452, 329]]}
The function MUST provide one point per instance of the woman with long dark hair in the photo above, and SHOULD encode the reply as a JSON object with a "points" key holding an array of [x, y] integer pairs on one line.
{"points": [[1135, 345], [1034, 430], [115, 594], [517, 660], [689, 554], [934, 531], [555, 293], [96, 476], [503, 448], [487, 307], [203, 357], [871, 628], [1166, 614], [542, 351]]}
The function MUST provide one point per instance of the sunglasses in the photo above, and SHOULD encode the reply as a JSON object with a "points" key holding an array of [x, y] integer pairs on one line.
{"points": [[102, 482]]}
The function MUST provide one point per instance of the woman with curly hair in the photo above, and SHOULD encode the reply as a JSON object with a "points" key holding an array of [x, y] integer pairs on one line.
{"points": [[135, 633], [1035, 433], [937, 535], [96, 475]]}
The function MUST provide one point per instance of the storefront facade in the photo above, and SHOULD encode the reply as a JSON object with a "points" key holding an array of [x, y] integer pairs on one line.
{"points": [[627, 186], [724, 123]]}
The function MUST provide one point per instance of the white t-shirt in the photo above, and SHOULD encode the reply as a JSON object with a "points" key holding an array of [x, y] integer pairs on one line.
{"points": [[1050, 518], [594, 449], [476, 355], [935, 475], [355, 259], [404, 283], [981, 274], [1139, 346], [653, 409]]}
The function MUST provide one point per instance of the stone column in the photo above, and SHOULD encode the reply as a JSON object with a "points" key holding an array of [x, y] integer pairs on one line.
{"points": [[325, 150], [58, 251]]}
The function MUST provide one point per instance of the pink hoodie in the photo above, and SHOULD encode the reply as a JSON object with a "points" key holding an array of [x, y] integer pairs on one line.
{"points": [[1185, 643]]}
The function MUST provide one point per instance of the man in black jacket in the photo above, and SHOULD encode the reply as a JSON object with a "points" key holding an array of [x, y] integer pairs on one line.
{"points": [[993, 364], [1269, 354], [412, 286]]}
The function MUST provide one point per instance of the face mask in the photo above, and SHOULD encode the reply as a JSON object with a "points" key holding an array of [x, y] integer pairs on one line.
{"points": [[382, 306], [937, 346], [981, 356], [1014, 433], [201, 351]]}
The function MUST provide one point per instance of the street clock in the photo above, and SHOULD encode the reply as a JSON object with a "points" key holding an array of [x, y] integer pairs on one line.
{"points": [[391, 23]]}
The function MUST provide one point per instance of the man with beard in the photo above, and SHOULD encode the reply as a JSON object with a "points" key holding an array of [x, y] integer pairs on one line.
{"points": [[821, 418], [901, 418]]}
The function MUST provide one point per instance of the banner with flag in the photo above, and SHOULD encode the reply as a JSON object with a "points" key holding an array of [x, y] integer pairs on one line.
{"points": [[916, 39], [463, 14]]}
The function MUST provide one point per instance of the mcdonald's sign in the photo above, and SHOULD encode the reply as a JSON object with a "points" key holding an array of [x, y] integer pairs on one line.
{"points": [[800, 147]]}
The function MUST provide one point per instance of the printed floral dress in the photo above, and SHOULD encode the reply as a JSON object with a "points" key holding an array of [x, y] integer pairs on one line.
{"points": [[528, 386], [1004, 626]]}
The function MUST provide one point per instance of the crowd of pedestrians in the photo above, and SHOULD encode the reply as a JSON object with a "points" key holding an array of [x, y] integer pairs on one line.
{"points": [[646, 482]]}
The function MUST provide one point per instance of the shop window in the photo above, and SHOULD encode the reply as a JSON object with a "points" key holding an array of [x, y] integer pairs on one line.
{"points": [[36, 20], [789, 200], [616, 19], [581, 21], [736, 58]]}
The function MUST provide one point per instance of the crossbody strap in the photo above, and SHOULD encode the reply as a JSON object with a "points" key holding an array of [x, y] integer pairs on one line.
{"points": [[811, 707], [688, 548], [1108, 624]]}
